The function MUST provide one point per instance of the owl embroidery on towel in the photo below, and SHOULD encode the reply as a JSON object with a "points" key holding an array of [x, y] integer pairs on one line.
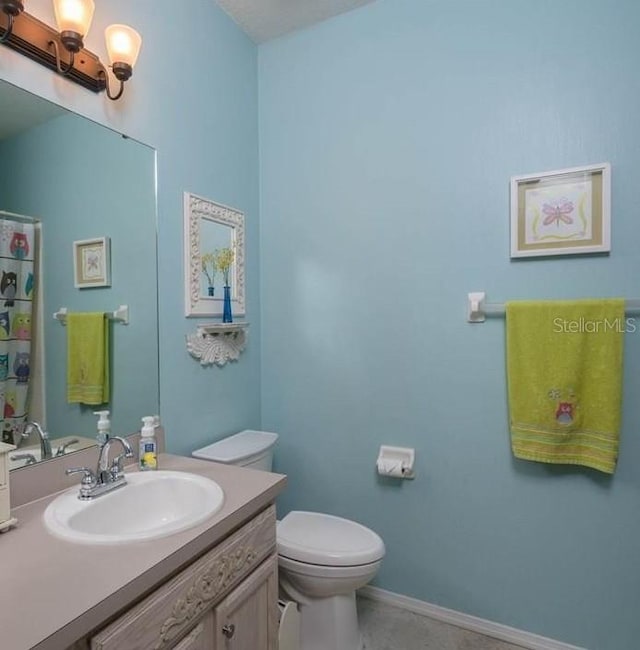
{"points": [[19, 245], [564, 413]]}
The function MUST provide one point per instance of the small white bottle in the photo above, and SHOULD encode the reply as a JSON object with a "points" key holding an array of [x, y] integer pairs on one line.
{"points": [[104, 426], [148, 458]]}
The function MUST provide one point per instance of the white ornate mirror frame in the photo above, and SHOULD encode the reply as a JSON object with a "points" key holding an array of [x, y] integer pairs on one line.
{"points": [[198, 212]]}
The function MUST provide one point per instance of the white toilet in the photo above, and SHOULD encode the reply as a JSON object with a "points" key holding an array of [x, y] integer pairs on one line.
{"points": [[322, 559]]}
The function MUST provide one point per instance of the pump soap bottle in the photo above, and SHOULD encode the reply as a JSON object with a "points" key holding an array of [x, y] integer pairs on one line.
{"points": [[104, 426], [148, 445]]}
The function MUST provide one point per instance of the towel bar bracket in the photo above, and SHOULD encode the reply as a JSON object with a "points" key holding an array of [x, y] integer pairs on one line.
{"points": [[120, 315], [478, 309], [475, 307]]}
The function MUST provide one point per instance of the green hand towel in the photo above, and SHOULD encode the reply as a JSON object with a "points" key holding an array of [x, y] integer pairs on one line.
{"points": [[87, 358], [564, 364]]}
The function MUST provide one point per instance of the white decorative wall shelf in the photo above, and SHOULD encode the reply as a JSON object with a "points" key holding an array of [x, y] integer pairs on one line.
{"points": [[217, 343]]}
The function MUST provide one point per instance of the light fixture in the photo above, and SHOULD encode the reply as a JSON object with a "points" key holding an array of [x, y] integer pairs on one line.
{"points": [[123, 46], [11, 8], [33, 38], [74, 19]]}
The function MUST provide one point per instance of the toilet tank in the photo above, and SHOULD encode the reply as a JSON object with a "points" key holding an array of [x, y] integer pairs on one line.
{"points": [[248, 449]]}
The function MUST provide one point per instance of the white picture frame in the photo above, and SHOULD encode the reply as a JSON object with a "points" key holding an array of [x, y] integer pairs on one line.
{"points": [[92, 263], [205, 219], [562, 212]]}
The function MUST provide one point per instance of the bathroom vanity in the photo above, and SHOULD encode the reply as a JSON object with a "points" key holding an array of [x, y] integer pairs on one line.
{"points": [[213, 586]]}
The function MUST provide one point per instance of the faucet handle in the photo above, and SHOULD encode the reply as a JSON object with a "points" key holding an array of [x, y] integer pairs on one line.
{"points": [[30, 458], [63, 447], [88, 478], [88, 482], [116, 469]]}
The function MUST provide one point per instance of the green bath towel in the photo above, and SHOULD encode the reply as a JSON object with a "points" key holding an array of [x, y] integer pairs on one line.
{"points": [[564, 364], [87, 358]]}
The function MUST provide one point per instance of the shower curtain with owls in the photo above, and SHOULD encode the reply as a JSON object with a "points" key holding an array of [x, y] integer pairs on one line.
{"points": [[17, 285]]}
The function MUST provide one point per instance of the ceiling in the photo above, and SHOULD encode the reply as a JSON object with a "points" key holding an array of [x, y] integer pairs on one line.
{"points": [[263, 20]]}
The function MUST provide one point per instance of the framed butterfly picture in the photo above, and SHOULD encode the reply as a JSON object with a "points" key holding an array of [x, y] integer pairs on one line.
{"points": [[563, 212], [92, 263]]}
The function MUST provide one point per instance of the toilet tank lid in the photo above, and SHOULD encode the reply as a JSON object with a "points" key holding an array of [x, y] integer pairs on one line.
{"points": [[238, 446]]}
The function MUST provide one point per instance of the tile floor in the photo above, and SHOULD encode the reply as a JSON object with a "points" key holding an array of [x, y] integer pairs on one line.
{"points": [[389, 628]]}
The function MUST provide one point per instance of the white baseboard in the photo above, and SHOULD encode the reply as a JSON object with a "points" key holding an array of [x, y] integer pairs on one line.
{"points": [[465, 621]]}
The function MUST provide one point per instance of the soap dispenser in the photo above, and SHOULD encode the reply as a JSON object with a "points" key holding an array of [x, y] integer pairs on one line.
{"points": [[148, 458], [104, 426]]}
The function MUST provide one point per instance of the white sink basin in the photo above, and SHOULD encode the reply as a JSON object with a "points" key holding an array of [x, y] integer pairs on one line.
{"points": [[151, 505]]}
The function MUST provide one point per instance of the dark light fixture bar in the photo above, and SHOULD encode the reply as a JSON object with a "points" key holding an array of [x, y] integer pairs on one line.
{"points": [[63, 51], [31, 37]]}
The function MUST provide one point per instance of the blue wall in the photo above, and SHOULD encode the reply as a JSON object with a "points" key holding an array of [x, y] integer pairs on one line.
{"points": [[387, 139], [193, 97], [85, 181]]}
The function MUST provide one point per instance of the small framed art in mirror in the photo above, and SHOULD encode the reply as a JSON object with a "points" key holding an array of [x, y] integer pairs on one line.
{"points": [[213, 256], [91, 261]]}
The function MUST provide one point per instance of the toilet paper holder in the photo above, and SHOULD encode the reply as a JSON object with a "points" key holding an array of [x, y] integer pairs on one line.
{"points": [[396, 462]]}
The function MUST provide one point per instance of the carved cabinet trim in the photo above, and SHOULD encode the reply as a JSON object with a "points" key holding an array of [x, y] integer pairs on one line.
{"points": [[161, 619]]}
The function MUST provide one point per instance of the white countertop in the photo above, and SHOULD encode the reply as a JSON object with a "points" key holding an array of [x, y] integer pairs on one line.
{"points": [[55, 592]]}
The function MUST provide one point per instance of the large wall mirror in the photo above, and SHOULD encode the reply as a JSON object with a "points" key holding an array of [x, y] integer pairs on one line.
{"points": [[64, 178]]}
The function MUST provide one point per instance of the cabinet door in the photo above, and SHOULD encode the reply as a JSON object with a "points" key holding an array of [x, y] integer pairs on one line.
{"points": [[247, 619], [201, 637], [163, 618]]}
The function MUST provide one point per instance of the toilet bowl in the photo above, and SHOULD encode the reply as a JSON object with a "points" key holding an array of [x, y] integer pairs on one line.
{"points": [[322, 559]]}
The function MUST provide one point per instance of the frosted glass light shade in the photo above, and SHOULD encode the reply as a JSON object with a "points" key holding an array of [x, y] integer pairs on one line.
{"points": [[74, 15], [123, 44]]}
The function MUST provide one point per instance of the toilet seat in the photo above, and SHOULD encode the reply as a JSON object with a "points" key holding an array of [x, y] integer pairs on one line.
{"points": [[325, 570], [327, 540]]}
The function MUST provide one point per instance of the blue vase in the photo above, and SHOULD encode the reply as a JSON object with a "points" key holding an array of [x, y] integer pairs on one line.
{"points": [[227, 317], [211, 290]]}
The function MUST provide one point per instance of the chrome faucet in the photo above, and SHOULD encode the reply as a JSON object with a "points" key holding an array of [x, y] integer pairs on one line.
{"points": [[45, 443], [106, 477], [108, 474]]}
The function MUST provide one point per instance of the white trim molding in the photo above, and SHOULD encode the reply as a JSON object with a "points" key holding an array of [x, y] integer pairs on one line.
{"points": [[465, 621]]}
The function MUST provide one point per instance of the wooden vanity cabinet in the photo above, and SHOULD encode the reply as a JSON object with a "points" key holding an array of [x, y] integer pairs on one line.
{"points": [[201, 637], [225, 600], [244, 620]]}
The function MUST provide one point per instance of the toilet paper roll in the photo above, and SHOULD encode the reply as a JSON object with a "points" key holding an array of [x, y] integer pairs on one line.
{"points": [[388, 467]]}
